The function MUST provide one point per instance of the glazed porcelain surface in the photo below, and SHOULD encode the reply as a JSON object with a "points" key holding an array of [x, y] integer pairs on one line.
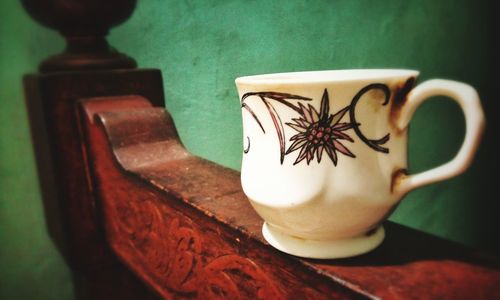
{"points": [[325, 153]]}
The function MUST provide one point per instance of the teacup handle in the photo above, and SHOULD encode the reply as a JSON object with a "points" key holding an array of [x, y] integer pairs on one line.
{"points": [[468, 99]]}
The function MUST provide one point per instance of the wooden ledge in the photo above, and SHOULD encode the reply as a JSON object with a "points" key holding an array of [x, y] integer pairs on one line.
{"points": [[184, 226]]}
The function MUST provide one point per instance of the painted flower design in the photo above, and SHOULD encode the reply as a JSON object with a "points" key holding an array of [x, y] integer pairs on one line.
{"points": [[320, 132], [317, 132]]}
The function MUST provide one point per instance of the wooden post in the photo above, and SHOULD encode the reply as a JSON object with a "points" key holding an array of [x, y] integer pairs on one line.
{"points": [[88, 67]]}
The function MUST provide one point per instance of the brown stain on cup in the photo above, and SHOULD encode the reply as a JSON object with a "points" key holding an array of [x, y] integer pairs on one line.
{"points": [[397, 176], [399, 98]]}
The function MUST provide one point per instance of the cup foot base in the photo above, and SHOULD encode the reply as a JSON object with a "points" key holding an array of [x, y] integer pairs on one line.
{"points": [[323, 249]]}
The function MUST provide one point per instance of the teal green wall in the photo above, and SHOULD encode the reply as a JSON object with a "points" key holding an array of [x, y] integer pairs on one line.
{"points": [[201, 46]]}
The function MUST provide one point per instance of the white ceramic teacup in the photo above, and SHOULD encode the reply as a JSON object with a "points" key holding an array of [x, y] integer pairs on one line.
{"points": [[325, 153]]}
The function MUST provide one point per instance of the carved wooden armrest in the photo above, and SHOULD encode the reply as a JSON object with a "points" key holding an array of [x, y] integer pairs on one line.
{"points": [[183, 225]]}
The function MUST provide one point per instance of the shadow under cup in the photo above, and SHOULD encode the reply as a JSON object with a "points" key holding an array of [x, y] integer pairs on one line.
{"points": [[325, 155]]}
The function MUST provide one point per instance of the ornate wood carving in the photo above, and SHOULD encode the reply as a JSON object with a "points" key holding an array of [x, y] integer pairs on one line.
{"points": [[178, 255]]}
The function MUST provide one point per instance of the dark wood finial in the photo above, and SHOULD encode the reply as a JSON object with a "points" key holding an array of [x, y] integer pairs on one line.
{"points": [[84, 24]]}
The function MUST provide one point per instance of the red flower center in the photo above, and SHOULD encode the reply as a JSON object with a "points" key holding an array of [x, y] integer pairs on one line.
{"points": [[319, 133]]}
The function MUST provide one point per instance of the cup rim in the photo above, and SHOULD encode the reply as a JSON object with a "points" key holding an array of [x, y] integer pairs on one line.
{"points": [[320, 76]]}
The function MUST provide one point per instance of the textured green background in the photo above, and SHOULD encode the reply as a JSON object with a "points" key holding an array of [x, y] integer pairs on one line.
{"points": [[201, 46]]}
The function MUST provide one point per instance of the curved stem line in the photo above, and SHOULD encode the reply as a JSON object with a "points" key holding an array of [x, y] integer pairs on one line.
{"points": [[280, 97], [278, 124], [245, 106]]}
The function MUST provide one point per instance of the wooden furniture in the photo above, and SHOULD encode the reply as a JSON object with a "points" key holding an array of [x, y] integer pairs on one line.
{"points": [[142, 218]]}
